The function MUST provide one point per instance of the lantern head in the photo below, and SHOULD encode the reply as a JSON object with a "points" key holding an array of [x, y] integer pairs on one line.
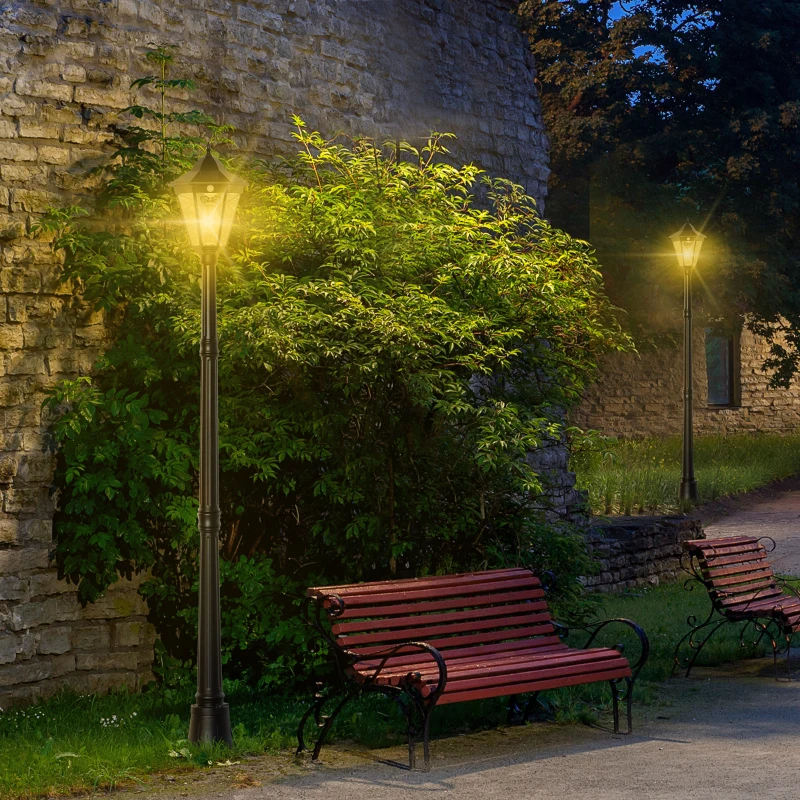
{"points": [[688, 242], [208, 195]]}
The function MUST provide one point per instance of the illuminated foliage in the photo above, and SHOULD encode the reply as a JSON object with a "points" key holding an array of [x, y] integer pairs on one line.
{"points": [[390, 352]]}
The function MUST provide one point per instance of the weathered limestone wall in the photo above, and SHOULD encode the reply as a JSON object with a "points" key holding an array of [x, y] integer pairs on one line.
{"points": [[642, 395], [637, 551], [399, 68]]}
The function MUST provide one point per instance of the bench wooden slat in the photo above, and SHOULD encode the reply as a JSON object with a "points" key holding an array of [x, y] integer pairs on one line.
{"points": [[723, 541], [751, 602], [455, 665], [377, 587], [531, 685], [424, 632], [466, 583], [426, 606], [739, 558], [436, 619], [767, 587], [499, 676], [744, 579], [712, 553], [501, 664], [464, 592], [454, 655], [489, 637], [715, 573]]}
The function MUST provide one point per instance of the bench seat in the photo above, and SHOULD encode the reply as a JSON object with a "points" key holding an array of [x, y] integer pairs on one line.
{"points": [[503, 673]]}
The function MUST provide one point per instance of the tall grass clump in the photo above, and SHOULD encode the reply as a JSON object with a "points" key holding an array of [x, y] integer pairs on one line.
{"points": [[636, 476]]}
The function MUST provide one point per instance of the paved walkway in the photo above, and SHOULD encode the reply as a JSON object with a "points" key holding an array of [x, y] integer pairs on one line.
{"points": [[777, 515], [728, 738]]}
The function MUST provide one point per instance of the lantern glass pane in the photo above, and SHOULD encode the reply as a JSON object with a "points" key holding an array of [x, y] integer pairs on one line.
{"points": [[688, 252], [186, 200], [678, 244], [209, 213], [228, 214]]}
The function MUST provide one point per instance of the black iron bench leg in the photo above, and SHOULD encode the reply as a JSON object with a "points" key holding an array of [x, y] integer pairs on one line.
{"points": [[513, 710], [426, 735], [615, 702], [323, 734], [615, 698], [529, 706], [425, 710], [316, 710], [629, 703], [694, 648]]}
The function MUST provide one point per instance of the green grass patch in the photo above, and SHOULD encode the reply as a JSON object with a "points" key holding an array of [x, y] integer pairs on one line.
{"points": [[71, 743], [643, 475]]}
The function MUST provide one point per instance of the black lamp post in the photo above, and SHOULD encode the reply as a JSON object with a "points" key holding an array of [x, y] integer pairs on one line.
{"points": [[688, 242], [208, 196]]}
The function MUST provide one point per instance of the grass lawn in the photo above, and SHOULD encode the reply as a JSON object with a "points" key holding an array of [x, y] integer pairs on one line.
{"points": [[70, 743], [643, 475]]}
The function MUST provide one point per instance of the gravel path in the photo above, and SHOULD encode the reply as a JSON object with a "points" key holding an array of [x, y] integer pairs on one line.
{"points": [[777, 514]]}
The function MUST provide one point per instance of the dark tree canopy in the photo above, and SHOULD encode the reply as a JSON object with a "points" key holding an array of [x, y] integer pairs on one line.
{"points": [[664, 110]]}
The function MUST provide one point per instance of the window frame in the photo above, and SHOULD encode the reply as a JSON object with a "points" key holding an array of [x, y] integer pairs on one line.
{"points": [[734, 367]]}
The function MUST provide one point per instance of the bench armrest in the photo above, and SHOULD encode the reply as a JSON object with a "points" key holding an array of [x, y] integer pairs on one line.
{"points": [[395, 650], [593, 628]]}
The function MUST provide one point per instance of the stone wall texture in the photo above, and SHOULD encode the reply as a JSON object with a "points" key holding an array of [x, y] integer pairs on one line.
{"points": [[396, 68], [642, 395], [638, 551]]}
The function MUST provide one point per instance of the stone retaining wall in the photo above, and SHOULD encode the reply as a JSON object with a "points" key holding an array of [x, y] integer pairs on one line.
{"points": [[396, 68], [637, 551]]}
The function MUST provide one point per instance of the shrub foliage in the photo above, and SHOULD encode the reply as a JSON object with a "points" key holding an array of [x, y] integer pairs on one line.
{"points": [[390, 351]]}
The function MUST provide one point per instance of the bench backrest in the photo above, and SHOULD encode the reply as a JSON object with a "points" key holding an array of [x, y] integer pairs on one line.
{"points": [[735, 571], [476, 612]]}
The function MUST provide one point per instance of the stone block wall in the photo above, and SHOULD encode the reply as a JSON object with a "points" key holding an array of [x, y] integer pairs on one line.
{"points": [[48, 642], [638, 551], [642, 395], [394, 68]]}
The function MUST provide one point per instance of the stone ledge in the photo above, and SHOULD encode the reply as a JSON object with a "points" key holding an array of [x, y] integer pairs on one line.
{"points": [[636, 551]]}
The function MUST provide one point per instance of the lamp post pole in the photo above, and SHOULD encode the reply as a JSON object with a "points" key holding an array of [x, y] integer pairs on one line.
{"points": [[210, 720], [687, 242], [208, 196], [688, 490]]}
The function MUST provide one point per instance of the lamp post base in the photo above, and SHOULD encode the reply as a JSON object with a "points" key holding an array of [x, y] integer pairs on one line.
{"points": [[211, 724], [689, 490]]}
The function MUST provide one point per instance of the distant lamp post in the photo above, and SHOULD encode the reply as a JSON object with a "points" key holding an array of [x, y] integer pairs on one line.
{"points": [[208, 196], [688, 242]]}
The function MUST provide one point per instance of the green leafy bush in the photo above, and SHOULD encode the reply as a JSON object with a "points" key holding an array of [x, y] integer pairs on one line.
{"points": [[390, 351]]}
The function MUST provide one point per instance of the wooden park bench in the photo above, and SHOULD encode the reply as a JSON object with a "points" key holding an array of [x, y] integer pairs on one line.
{"points": [[451, 638], [743, 589]]}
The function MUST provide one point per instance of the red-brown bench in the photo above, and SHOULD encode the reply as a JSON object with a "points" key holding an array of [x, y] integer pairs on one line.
{"points": [[451, 638], [743, 589]]}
